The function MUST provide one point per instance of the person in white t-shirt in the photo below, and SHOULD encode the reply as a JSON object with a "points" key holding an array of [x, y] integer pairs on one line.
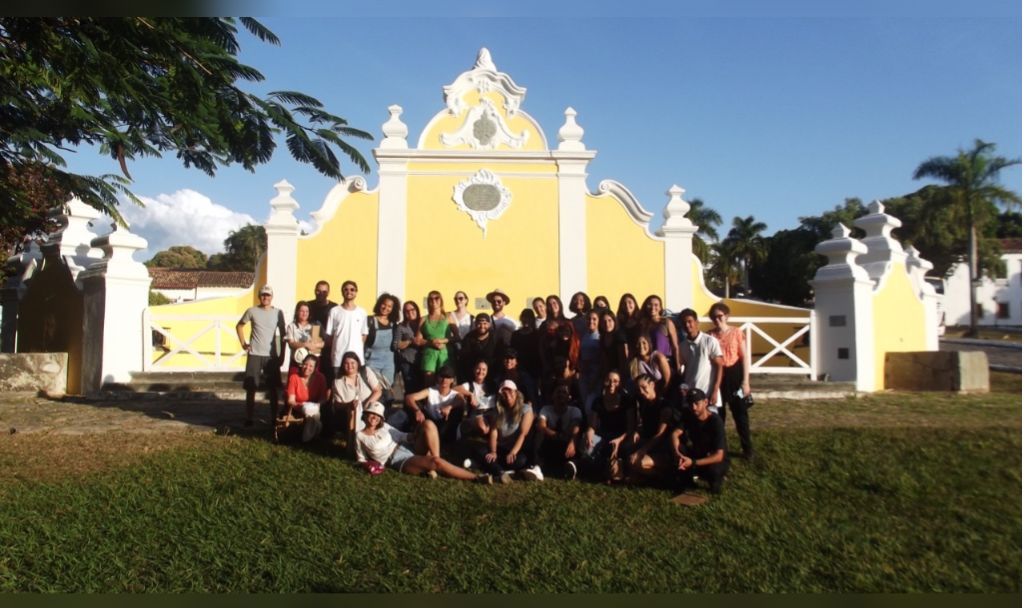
{"points": [[347, 326], [440, 404], [701, 357]]}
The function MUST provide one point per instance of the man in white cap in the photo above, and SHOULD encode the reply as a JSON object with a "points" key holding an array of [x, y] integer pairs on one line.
{"points": [[264, 351]]}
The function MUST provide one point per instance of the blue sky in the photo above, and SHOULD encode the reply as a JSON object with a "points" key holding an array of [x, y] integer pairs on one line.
{"points": [[775, 109]]}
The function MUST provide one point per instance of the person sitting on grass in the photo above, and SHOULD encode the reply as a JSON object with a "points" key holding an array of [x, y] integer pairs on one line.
{"points": [[417, 453], [479, 398], [558, 432], [703, 455], [609, 437], [306, 389], [353, 389], [652, 431], [508, 451], [441, 404]]}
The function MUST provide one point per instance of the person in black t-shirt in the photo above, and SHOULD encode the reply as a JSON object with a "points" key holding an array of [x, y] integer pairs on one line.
{"points": [[698, 444]]}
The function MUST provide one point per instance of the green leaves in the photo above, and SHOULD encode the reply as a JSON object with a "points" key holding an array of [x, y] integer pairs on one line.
{"points": [[147, 86]]}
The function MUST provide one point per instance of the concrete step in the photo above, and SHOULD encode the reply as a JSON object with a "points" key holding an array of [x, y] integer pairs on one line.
{"points": [[227, 385]]}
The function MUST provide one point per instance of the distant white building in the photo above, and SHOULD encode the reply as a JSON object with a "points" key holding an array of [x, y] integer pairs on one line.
{"points": [[999, 298], [181, 285]]}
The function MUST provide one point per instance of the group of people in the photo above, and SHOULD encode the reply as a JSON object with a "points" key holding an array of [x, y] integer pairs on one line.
{"points": [[613, 395]]}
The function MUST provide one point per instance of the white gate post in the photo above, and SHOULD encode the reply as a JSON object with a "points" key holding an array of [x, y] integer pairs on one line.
{"points": [[843, 320], [116, 296]]}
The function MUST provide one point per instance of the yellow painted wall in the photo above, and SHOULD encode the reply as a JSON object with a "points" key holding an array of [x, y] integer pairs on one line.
{"points": [[447, 251], [344, 248], [899, 319], [621, 257], [446, 123], [228, 308]]}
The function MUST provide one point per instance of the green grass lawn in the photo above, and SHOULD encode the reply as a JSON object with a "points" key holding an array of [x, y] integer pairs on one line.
{"points": [[881, 494]]}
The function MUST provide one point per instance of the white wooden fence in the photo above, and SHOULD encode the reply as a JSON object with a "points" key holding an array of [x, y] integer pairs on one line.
{"points": [[211, 346], [794, 365]]}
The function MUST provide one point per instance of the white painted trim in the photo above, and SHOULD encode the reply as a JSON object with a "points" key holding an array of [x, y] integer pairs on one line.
{"points": [[572, 226], [421, 143], [469, 174], [392, 226], [340, 192], [466, 134], [491, 156], [634, 209]]}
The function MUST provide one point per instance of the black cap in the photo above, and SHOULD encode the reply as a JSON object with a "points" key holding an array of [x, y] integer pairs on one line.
{"points": [[511, 353], [695, 395], [446, 371]]}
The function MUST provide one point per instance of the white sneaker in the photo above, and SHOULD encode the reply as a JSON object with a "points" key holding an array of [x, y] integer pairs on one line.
{"points": [[467, 463], [532, 473], [506, 477]]}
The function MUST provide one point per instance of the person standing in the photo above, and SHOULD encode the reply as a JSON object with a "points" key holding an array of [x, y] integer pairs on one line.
{"points": [[319, 310], [503, 326], [347, 327], [264, 352], [701, 357], [735, 374]]}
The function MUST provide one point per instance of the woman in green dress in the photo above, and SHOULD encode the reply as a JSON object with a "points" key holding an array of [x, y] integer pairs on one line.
{"points": [[436, 332]]}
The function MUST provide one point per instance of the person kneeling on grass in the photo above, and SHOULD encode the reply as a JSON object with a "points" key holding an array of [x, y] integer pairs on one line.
{"points": [[558, 431], [416, 453], [704, 454]]}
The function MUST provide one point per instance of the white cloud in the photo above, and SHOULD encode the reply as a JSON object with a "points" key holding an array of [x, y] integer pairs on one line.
{"points": [[184, 217]]}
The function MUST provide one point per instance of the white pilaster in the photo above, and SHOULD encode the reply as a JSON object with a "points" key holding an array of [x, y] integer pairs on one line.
{"points": [[572, 158], [678, 233], [282, 247], [392, 221], [843, 320], [116, 295], [918, 269], [883, 249]]}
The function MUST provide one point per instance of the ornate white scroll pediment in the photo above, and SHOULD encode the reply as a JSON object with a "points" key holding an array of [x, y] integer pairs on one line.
{"points": [[485, 129], [483, 197], [483, 78]]}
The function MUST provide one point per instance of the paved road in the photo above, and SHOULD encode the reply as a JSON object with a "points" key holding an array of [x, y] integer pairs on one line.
{"points": [[1002, 355]]}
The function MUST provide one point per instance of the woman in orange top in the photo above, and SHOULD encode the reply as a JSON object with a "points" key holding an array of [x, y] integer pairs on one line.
{"points": [[735, 374]]}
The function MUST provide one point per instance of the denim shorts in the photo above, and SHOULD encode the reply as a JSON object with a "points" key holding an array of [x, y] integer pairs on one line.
{"points": [[401, 455]]}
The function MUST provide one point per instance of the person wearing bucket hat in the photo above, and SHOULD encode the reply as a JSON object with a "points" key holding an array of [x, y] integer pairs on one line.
{"points": [[416, 453], [264, 352], [504, 326], [699, 447]]}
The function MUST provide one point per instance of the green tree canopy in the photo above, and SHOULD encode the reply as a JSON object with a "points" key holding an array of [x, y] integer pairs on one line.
{"points": [[746, 244], [178, 257], [242, 249], [972, 191], [143, 87]]}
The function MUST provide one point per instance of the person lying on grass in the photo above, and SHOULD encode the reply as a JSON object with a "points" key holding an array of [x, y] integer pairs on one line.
{"points": [[703, 454], [415, 453]]}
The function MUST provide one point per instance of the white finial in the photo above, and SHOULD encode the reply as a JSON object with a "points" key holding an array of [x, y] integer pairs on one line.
{"points": [[283, 206], [676, 210], [840, 231], [483, 61], [570, 135], [876, 207], [394, 129]]}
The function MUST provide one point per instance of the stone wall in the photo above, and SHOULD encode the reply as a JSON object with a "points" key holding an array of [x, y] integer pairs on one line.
{"points": [[937, 371], [34, 372]]}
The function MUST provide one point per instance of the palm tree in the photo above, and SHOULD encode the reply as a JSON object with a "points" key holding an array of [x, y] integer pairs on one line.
{"points": [[707, 221], [971, 178], [724, 264], [746, 244]]}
